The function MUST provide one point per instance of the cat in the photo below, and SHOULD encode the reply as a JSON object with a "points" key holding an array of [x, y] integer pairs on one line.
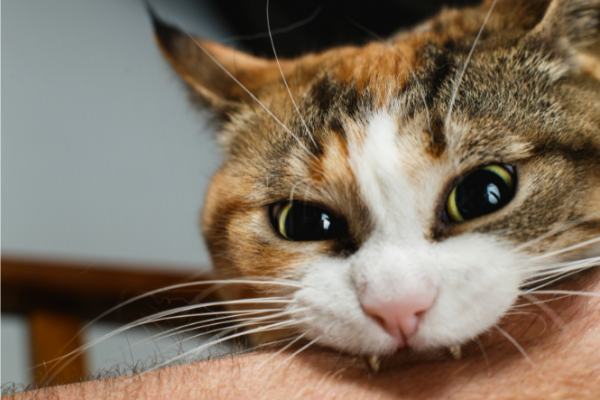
{"points": [[405, 193]]}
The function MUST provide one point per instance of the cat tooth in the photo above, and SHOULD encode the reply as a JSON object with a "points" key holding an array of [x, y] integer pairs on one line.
{"points": [[456, 352], [374, 363]]}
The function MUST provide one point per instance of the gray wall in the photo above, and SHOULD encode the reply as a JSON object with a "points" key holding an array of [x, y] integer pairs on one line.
{"points": [[102, 158]]}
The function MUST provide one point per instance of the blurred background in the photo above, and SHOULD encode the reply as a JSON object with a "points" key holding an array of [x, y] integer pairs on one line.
{"points": [[105, 165]]}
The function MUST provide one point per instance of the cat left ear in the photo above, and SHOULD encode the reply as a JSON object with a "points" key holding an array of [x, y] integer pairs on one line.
{"points": [[575, 23], [221, 77]]}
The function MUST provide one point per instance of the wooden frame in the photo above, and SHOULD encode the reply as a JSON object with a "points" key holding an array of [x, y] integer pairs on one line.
{"points": [[57, 296]]}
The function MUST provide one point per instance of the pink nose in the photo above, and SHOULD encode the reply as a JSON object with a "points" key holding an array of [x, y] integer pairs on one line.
{"points": [[400, 317]]}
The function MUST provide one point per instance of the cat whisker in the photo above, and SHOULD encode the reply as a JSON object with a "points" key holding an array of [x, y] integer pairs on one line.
{"points": [[558, 321], [568, 293], [462, 74], [537, 302], [302, 349], [558, 229], [249, 93], [518, 346], [275, 326], [258, 346], [187, 285], [567, 249], [152, 319], [549, 280], [310, 135], [282, 349], [296, 185], [274, 32], [231, 314], [202, 325], [528, 313], [485, 356], [567, 266], [243, 323]]}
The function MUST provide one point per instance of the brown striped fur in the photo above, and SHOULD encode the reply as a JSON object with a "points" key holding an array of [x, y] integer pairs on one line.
{"points": [[529, 97]]}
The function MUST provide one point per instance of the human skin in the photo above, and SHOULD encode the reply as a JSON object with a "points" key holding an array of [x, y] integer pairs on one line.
{"points": [[563, 351]]}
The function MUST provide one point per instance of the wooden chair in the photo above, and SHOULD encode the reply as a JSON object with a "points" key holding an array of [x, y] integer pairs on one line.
{"points": [[58, 296]]}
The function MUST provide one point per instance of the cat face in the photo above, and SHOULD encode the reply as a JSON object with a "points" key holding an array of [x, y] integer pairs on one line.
{"points": [[408, 189]]}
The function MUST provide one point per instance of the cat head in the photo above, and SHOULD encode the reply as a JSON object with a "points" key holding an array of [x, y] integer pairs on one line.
{"points": [[409, 188]]}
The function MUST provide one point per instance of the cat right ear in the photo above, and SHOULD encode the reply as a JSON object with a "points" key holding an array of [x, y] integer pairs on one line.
{"points": [[574, 22], [221, 78]]}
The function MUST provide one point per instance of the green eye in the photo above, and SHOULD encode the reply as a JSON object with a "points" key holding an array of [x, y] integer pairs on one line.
{"points": [[481, 192], [302, 222]]}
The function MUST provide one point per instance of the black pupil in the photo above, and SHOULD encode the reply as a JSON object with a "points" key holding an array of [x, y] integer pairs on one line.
{"points": [[481, 193], [305, 222]]}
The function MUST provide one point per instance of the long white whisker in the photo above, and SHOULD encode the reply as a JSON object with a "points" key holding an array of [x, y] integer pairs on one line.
{"points": [[568, 266], [152, 318], [250, 94], [302, 349], [310, 135], [537, 316], [282, 350], [274, 326], [538, 302], [559, 228], [552, 279], [244, 322], [550, 312], [286, 29], [485, 356], [518, 346], [567, 249], [566, 292], [229, 319], [287, 339], [180, 286], [462, 74]]}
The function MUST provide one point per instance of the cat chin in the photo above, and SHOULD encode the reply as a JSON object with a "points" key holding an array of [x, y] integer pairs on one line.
{"points": [[477, 279]]}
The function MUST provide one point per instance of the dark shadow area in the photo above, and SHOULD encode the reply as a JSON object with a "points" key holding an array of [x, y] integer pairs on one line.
{"points": [[323, 23]]}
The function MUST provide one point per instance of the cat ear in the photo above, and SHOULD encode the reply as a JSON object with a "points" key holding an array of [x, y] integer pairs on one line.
{"points": [[575, 23], [220, 77]]}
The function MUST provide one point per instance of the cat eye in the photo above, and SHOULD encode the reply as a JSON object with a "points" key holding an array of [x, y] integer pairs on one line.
{"points": [[481, 192], [302, 222]]}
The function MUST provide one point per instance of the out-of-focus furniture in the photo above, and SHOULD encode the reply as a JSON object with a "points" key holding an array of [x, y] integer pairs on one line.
{"points": [[58, 296]]}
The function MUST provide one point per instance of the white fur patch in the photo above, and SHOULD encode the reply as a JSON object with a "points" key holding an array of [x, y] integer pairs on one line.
{"points": [[476, 277]]}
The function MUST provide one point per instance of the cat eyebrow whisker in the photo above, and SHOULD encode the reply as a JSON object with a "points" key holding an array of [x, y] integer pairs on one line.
{"points": [[462, 74], [310, 135], [295, 186], [250, 94], [412, 72]]}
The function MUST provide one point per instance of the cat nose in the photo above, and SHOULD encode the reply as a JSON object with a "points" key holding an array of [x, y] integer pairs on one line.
{"points": [[401, 316]]}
